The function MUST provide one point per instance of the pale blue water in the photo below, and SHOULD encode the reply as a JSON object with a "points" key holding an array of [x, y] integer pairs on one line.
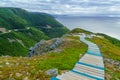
{"points": [[107, 25]]}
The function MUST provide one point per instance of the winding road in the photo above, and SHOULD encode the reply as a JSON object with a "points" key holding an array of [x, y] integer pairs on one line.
{"points": [[89, 67]]}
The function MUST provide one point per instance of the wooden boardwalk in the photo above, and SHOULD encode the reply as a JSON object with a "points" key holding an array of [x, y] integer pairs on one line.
{"points": [[89, 67]]}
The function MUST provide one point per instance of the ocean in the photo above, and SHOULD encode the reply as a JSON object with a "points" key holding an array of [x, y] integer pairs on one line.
{"points": [[106, 25]]}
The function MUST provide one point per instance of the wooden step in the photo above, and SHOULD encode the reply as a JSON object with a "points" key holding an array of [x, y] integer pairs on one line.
{"points": [[89, 70]]}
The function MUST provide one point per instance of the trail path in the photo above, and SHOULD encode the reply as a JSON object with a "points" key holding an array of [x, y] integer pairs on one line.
{"points": [[89, 67]]}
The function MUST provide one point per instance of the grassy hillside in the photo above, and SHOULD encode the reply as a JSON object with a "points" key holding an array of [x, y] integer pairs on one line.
{"points": [[79, 30], [17, 38], [64, 57], [44, 26], [114, 41], [16, 43], [11, 21], [16, 18], [34, 68]]}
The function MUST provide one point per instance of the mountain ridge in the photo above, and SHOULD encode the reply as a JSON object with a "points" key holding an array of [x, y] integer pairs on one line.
{"points": [[19, 27], [17, 18]]}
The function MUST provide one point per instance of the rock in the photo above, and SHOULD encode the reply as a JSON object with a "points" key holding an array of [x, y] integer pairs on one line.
{"points": [[56, 43], [27, 73], [7, 63], [33, 50], [119, 66], [52, 72], [43, 47], [26, 78], [18, 74]]}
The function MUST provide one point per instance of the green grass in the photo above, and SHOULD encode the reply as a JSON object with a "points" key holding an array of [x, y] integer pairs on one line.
{"points": [[108, 49], [22, 65], [116, 75], [35, 67], [114, 41], [79, 30], [66, 59]]}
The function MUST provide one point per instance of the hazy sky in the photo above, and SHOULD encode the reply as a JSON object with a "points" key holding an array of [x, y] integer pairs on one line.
{"points": [[87, 7]]}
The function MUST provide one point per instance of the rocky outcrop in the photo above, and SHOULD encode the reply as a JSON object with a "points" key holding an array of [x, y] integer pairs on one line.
{"points": [[52, 72], [33, 50], [55, 44], [113, 62], [44, 46]]}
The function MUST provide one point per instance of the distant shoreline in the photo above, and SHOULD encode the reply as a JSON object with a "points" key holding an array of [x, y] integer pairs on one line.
{"points": [[106, 25]]}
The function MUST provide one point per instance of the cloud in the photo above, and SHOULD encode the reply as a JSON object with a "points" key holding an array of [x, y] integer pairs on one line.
{"points": [[66, 6]]}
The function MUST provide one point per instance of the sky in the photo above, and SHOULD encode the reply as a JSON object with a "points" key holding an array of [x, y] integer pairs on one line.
{"points": [[67, 7]]}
